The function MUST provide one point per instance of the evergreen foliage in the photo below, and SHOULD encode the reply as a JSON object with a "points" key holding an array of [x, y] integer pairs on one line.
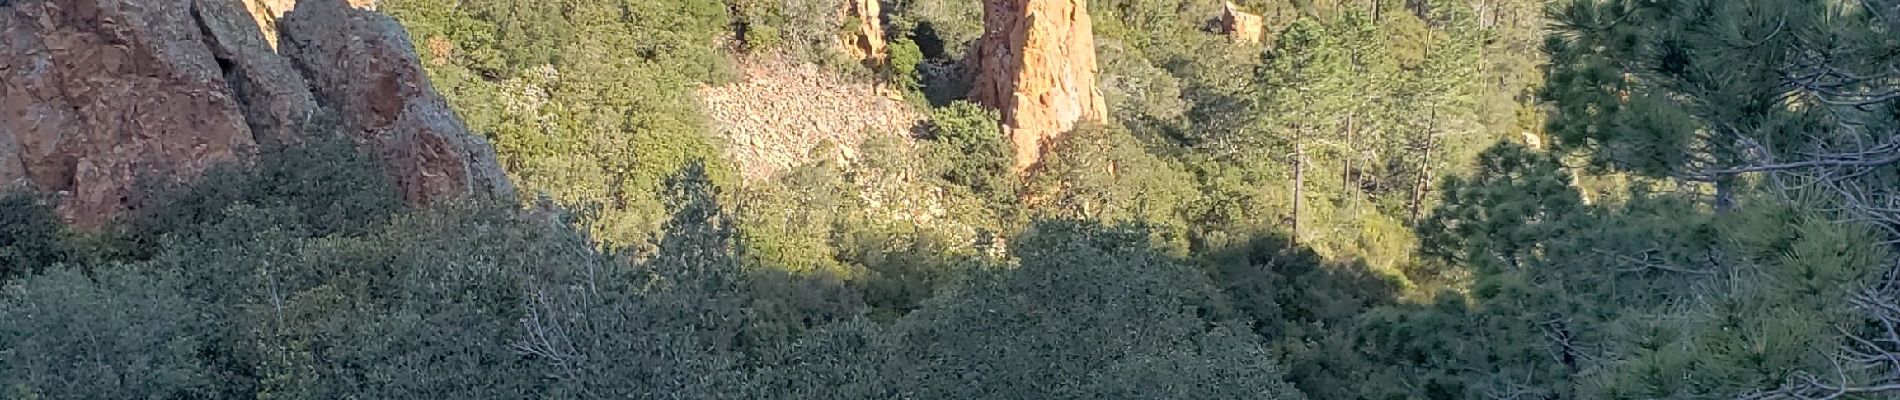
{"points": [[116, 333], [1386, 199], [604, 117], [973, 140], [31, 238]]}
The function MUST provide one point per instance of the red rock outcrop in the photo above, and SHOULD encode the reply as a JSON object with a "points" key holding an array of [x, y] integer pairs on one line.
{"points": [[1035, 64], [362, 64], [98, 94], [274, 97], [864, 39], [1242, 26]]}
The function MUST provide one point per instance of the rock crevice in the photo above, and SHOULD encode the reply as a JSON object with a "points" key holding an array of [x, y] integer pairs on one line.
{"points": [[274, 98]]}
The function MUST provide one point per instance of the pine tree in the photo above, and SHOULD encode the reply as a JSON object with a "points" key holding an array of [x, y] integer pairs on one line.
{"points": [[1792, 99], [1301, 81]]}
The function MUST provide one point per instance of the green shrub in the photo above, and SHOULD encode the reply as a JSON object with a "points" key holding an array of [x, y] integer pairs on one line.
{"points": [[905, 60], [1092, 312], [1104, 173], [808, 30], [970, 138], [120, 333], [331, 186], [32, 237]]}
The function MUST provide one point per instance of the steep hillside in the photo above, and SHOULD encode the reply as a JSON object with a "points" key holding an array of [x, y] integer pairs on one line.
{"points": [[950, 199], [779, 111]]}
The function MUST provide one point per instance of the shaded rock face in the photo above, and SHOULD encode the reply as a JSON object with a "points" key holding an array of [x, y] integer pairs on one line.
{"points": [[361, 64], [95, 92], [275, 99], [98, 94], [865, 39], [1035, 64], [1243, 27]]}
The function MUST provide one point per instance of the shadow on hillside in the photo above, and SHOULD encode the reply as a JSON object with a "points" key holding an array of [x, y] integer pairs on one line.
{"points": [[1283, 286], [1306, 308]]}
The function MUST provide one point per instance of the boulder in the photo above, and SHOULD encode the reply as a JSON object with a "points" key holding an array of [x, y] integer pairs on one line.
{"points": [[1035, 65]]}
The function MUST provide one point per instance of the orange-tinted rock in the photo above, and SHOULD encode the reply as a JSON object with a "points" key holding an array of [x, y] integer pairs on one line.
{"points": [[361, 64], [1035, 64], [266, 13], [864, 38], [1242, 26], [96, 93]]}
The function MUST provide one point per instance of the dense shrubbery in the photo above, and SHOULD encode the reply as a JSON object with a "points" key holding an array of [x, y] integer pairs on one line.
{"points": [[31, 237], [971, 139], [487, 301], [593, 104], [1364, 207]]}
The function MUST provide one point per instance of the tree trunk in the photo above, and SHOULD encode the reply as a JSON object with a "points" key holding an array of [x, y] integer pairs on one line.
{"points": [[1299, 179], [1724, 195], [1345, 174], [1425, 159], [1422, 184]]}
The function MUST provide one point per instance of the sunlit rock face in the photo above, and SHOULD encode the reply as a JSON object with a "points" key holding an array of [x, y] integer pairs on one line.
{"points": [[864, 38], [1035, 65]]}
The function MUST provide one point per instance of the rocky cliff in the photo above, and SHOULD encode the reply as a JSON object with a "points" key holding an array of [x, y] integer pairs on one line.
{"points": [[1035, 64], [362, 65], [97, 94], [864, 37], [1240, 25]]}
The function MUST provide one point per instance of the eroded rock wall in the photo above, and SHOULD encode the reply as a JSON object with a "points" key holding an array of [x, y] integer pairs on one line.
{"points": [[273, 96], [361, 64], [864, 39], [1035, 65], [1241, 26], [96, 95]]}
